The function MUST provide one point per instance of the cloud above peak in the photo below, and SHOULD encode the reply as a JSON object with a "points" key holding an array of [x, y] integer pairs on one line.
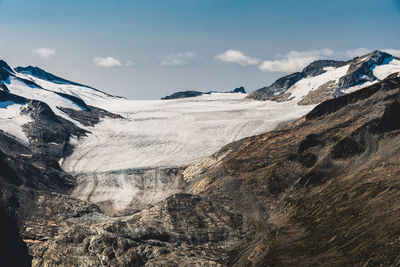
{"points": [[44, 53], [110, 62], [237, 57], [177, 59], [393, 52], [357, 52], [294, 60]]}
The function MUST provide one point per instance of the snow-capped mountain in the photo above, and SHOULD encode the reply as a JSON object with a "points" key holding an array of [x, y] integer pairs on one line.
{"points": [[325, 79], [119, 149], [110, 143]]}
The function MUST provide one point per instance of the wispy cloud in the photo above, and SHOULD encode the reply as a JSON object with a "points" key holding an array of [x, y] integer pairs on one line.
{"points": [[294, 60], [45, 53], [177, 59], [393, 52], [110, 62], [236, 56]]}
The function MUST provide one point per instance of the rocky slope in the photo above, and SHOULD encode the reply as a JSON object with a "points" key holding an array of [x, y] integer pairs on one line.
{"points": [[326, 79], [322, 191], [185, 94]]}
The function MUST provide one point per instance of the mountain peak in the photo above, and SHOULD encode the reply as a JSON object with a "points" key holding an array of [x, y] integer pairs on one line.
{"points": [[5, 70], [44, 75], [5, 66], [317, 67], [324, 79]]}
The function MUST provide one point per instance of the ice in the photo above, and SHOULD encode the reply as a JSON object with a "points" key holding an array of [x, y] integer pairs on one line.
{"points": [[52, 99], [158, 135], [11, 120], [384, 70], [304, 86], [88, 95], [175, 132]]}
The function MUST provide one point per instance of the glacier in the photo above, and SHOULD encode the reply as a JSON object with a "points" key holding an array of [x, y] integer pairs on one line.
{"points": [[114, 163]]}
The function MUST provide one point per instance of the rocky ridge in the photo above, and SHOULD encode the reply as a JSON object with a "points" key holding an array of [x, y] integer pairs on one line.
{"points": [[359, 73], [185, 94]]}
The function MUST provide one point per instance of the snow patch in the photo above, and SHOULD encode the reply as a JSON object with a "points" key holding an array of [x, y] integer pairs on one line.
{"points": [[306, 85], [384, 70], [11, 120]]}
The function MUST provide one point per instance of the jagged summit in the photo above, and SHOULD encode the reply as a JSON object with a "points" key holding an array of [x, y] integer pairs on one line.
{"points": [[5, 66], [317, 67], [325, 79], [361, 68], [5, 71], [44, 75]]}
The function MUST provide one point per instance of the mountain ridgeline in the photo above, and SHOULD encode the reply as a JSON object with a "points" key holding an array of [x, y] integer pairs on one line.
{"points": [[359, 71]]}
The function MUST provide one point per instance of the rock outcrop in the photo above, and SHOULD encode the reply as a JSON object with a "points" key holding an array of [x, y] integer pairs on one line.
{"points": [[186, 94]]}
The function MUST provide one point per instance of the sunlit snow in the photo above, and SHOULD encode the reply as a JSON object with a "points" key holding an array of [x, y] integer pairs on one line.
{"points": [[11, 120], [175, 132], [384, 70], [304, 86]]}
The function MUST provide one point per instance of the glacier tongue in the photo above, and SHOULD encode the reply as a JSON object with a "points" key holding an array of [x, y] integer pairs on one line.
{"points": [[126, 191], [159, 135]]}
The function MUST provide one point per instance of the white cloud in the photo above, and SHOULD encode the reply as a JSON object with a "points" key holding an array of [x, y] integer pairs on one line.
{"points": [[178, 59], [45, 53], [236, 56], [294, 60], [357, 52], [393, 52], [110, 62]]}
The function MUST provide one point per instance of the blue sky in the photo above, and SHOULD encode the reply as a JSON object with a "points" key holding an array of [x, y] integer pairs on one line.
{"points": [[147, 49]]}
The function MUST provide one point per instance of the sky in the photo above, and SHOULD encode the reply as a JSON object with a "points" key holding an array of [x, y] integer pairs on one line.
{"points": [[152, 48]]}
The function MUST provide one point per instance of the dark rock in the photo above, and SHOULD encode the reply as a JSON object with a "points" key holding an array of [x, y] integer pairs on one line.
{"points": [[311, 140], [41, 74], [360, 69], [278, 88], [5, 71], [239, 90], [13, 251], [183, 94], [76, 100], [317, 67], [390, 120], [91, 116], [4, 87], [334, 105]]}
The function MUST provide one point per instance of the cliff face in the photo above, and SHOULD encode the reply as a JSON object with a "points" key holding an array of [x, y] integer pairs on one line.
{"points": [[328, 184]]}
